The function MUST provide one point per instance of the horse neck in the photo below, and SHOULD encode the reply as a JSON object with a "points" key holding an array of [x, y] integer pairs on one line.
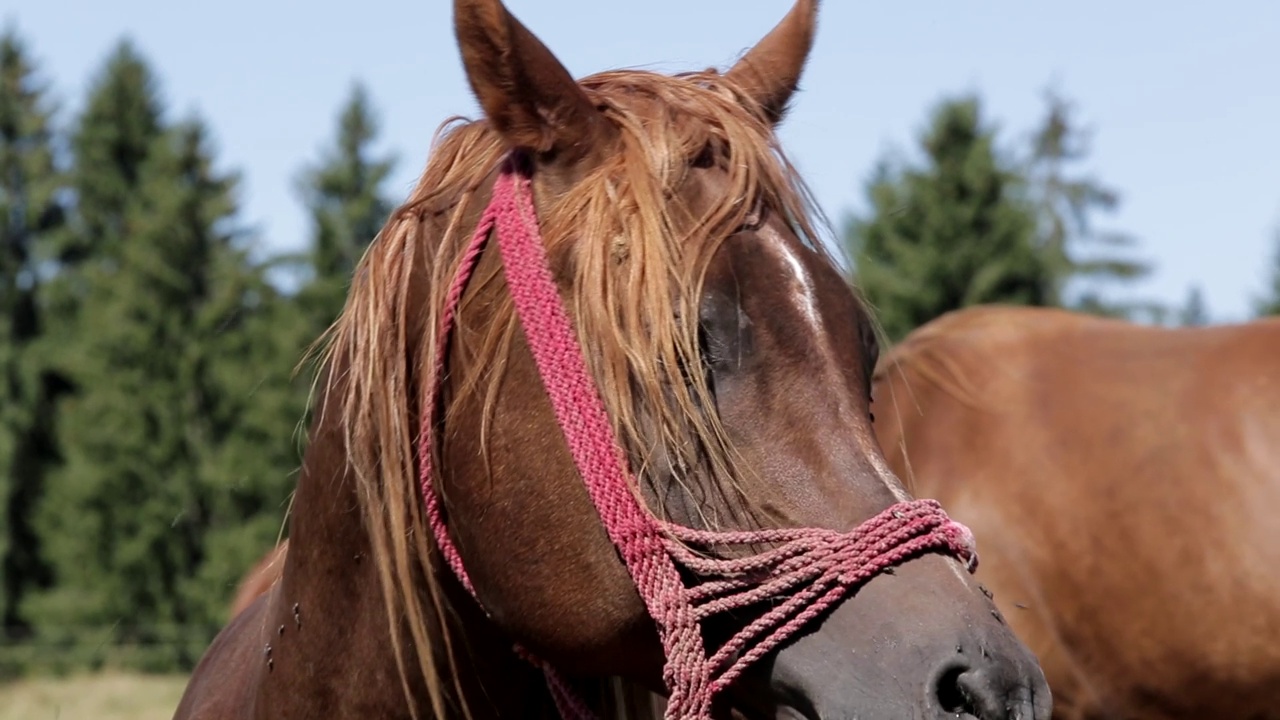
{"points": [[330, 651]]}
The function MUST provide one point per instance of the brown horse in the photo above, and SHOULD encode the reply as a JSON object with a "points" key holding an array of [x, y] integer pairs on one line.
{"points": [[1123, 483], [654, 221]]}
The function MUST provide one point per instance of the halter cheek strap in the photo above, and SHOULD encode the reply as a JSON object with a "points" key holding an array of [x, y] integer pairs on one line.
{"points": [[806, 571]]}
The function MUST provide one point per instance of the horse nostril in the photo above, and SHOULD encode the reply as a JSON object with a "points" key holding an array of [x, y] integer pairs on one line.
{"points": [[952, 696]]}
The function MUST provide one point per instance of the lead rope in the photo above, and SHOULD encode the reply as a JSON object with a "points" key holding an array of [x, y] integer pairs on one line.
{"points": [[811, 568]]}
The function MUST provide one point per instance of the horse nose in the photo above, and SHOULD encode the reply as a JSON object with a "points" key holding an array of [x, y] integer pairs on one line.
{"points": [[977, 687]]}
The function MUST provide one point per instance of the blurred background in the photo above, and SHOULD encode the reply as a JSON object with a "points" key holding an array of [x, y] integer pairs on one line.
{"points": [[185, 188]]}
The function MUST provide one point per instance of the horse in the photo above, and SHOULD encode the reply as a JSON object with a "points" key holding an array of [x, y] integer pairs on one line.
{"points": [[1122, 481], [265, 573], [595, 418]]}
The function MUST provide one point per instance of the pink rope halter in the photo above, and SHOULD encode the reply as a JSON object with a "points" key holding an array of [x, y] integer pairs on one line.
{"points": [[807, 569]]}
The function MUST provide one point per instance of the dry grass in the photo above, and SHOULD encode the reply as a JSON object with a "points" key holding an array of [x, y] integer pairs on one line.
{"points": [[109, 696]]}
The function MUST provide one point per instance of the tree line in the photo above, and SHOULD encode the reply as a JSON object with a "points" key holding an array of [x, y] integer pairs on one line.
{"points": [[973, 221], [151, 420], [151, 416]]}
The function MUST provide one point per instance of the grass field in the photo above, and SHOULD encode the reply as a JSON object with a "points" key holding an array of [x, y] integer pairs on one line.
{"points": [[92, 697]]}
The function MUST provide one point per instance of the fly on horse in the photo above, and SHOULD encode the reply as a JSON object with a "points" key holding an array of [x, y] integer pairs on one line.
{"points": [[1123, 482], [596, 416]]}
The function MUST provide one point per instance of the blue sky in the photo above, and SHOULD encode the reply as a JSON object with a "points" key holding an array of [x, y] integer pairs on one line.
{"points": [[1183, 96]]}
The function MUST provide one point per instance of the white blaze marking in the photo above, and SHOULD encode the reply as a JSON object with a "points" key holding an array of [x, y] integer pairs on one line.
{"points": [[803, 285], [807, 303]]}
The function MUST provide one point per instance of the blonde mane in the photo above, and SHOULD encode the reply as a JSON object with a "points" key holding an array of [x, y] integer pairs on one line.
{"points": [[633, 256]]}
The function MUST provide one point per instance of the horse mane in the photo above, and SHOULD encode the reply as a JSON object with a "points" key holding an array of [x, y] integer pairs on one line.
{"points": [[634, 258]]}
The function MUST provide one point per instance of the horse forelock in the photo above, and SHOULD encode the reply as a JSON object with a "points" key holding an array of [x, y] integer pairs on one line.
{"points": [[635, 258]]}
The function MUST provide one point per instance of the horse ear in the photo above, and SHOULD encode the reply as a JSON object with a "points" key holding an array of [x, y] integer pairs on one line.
{"points": [[529, 97], [770, 71]]}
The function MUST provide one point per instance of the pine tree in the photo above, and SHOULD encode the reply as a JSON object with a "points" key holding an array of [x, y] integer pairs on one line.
{"points": [[112, 140], [345, 196], [29, 213], [110, 143], [143, 436], [1269, 303], [152, 284], [1193, 312], [949, 234], [1065, 205], [179, 440], [249, 470]]}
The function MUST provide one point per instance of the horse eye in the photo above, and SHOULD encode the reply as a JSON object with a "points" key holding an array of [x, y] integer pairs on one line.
{"points": [[706, 157]]}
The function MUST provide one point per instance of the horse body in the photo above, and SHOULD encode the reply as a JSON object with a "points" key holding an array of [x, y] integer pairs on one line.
{"points": [[449, 542], [1122, 481]]}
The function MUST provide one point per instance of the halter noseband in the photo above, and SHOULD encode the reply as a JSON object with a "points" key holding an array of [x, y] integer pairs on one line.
{"points": [[806, 571]]}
